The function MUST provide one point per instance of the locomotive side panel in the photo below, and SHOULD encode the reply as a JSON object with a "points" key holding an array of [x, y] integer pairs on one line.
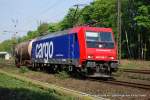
{"points": [[62, 49]]}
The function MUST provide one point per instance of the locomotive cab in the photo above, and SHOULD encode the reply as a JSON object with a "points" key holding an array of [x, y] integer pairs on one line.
{"points": [[100, 57]]}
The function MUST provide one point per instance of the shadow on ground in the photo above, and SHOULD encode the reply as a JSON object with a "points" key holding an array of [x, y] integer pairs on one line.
{"points": [[26, 94]]}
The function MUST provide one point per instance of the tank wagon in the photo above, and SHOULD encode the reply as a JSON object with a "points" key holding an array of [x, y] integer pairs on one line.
{"points": [[89, 50], [23, 53]]}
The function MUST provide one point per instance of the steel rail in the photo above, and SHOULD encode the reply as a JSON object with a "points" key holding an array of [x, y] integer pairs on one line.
{"points": [[137, 71], [123, 83]]}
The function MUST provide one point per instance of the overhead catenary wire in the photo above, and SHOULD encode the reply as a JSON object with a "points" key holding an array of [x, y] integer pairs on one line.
{"points": [[74, 18], [57, 3], [50, 7], [47, 9]]}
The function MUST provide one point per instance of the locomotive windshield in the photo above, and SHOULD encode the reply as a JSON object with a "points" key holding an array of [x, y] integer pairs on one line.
{"points": [[99, 40]]}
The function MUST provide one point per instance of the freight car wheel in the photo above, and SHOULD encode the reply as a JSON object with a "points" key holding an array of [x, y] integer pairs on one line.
{"points": [[17, 63]]}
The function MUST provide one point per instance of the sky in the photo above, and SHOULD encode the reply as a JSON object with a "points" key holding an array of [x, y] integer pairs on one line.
{"points": [[25, 15]]}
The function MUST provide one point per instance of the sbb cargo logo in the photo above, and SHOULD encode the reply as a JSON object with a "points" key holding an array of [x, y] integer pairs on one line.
{"points": [[44, 50]]}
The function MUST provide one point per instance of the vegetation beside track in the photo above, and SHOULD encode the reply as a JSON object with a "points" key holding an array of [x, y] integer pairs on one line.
{"points": [[62, 75], [59, 93], [135, 64], [14, 89], [86, 86]]}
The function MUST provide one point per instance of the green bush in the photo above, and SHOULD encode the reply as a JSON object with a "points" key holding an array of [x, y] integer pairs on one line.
{"points": [[23, 69], [62, 75]]}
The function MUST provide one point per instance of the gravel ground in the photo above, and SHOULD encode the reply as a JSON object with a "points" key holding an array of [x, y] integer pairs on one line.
{"points": [[114, 92]]}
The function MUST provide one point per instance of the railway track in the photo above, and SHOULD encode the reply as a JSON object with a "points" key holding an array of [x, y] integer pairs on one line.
{"points": [[137, 71], [124, 83], [130, 84]]}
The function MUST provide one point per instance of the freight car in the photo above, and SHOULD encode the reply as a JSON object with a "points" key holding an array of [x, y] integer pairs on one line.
{"points": [[89, 50], [23, 53]]}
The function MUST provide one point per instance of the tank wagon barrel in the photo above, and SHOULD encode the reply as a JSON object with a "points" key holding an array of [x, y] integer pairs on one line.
{"points": [[23, 52]]}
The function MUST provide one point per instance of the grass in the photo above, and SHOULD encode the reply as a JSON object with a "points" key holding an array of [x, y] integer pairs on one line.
{"points": [[118, 73], [23, 69], [135, 64], [140, 77], [62, 75], [13, 89]]}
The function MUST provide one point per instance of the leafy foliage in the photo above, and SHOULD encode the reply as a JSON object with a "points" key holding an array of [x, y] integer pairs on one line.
{"points": [[136, 24], [62, 75], [103, 13], [6, 45], [23, 69], [43, 28]]}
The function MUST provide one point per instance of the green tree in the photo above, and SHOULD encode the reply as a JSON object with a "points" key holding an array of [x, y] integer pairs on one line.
{"points": [[43, 28], [6, 45], [53, 27], [135, 23], [70, 19], [103, 13]]}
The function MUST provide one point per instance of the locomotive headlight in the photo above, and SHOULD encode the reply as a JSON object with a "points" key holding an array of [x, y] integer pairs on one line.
{"points": [[90, 56], [111, 57]]}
